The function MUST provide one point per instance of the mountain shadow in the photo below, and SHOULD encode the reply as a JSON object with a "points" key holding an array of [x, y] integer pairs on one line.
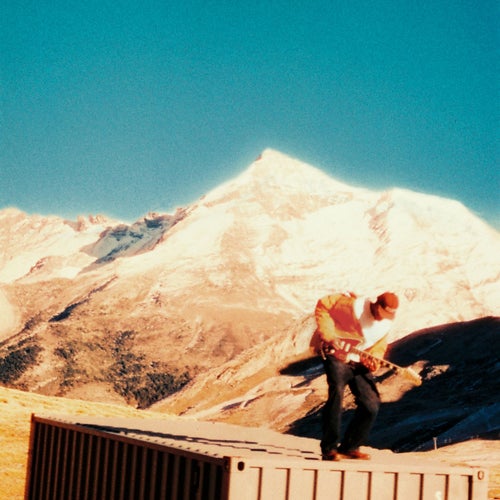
{"points": [[457, 401]]}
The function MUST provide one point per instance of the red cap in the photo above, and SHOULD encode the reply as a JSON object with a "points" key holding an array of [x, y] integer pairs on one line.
{"points": [[389, 302]]}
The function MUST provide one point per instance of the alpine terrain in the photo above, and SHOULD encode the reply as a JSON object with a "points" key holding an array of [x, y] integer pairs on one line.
{"points": [[207, 312]]}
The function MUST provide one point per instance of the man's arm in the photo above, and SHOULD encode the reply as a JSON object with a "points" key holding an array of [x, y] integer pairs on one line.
{"points": [[324, 320]]}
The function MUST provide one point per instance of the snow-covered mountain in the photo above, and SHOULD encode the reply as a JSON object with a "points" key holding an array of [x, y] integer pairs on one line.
{"points": [[102, 309]]}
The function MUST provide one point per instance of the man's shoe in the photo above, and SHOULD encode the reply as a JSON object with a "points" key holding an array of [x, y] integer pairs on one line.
{"points": [[331, 456], [355, 455]]}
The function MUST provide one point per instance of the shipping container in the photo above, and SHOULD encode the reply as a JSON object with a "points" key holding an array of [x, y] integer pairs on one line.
{"points": [[183, 459]]}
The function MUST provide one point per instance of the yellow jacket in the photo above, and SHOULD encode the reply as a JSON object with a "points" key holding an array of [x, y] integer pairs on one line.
{"points": [[335, 319]]}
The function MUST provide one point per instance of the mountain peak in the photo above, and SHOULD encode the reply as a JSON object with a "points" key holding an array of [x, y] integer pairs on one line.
{"points": [[270, 153], [272, 174], [273, 167], [271, 161]]}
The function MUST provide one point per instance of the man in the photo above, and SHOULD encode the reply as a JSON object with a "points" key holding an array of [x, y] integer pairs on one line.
{"points": [[345, 321]]}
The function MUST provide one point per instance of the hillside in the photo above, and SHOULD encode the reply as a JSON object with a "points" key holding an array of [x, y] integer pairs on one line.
{"points": [[457, 401]]}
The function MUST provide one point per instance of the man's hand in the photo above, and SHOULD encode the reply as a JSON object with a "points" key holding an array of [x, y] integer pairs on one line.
{"points": [[372, 364], [342, 345], [341, 348]]}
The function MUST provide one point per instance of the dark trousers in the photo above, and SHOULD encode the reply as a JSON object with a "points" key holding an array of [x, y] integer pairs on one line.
{"points": [[367, 399]]}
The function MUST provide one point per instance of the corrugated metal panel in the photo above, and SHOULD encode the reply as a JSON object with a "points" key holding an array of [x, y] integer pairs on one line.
{"points": [[73, 462], [109, 459], [275, 481]]}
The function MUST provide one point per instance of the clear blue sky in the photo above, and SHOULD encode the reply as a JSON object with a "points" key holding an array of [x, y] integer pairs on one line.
{"points": [[126, 107]]}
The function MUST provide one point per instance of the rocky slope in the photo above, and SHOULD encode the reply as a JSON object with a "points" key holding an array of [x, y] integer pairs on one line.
{"points": [[457, 400]]}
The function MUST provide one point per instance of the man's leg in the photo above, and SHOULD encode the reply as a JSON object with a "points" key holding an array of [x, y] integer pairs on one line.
{"points": [[367, 400], [337, 375]]}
